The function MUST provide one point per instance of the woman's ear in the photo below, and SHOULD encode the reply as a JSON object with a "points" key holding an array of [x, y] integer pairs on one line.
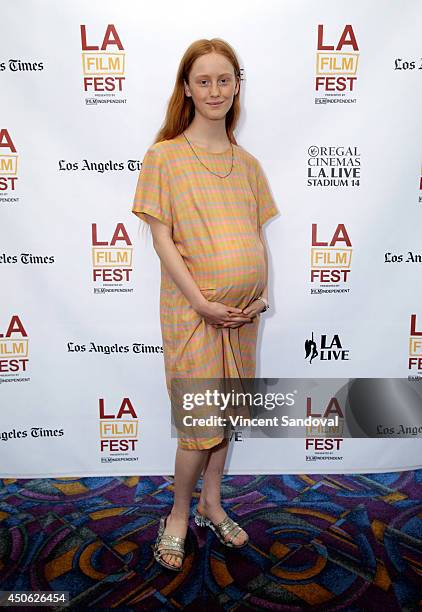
{"points": [[187, 90], [236, 90]]}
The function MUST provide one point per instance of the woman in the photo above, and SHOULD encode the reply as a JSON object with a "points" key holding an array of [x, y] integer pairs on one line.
{"points": [[205, 199]]}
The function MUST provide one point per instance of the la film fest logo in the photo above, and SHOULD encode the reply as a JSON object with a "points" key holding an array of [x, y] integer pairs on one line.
{"points": [[103, 67], [325, 348], [13, 351], [112, 261], [119, 431], [321, 441], [415, 348], [331, 261], [8, 167], [333, 166], [336, 66]]}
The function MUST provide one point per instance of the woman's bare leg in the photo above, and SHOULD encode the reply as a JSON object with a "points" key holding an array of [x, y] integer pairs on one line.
{"points": [[210, 499], [188, 467]]}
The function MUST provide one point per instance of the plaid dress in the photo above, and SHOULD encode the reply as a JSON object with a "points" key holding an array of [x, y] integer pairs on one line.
{"points": [[215, 223]]}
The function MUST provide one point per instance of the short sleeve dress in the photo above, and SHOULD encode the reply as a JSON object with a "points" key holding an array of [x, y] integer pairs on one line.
{"points": [[215, 223]]}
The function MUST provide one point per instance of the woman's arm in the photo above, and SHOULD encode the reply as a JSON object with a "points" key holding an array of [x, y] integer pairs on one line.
{"points": [[258, 306], [261, 235], [214, 312], [173, 262]]}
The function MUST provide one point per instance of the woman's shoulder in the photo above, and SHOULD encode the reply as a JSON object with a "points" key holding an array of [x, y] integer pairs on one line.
{"points": [[169, 143], [159, 153], [160, 147], [248, 157]]}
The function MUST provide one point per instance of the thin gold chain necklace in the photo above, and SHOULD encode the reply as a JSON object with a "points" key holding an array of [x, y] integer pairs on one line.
{"points": [[205, 165]]}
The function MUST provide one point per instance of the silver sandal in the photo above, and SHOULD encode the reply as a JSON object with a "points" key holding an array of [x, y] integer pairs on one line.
{"points": [[167, 544], [222, 529]]}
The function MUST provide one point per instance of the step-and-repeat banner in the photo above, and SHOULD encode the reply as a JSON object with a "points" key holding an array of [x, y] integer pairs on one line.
{"points": [[331, 95]]}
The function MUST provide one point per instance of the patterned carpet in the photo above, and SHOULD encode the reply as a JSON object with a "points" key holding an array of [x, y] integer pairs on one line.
{"points": [[317, 542]]}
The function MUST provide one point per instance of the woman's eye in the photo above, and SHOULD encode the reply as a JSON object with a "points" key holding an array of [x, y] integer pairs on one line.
{"points": [[222, 81]]}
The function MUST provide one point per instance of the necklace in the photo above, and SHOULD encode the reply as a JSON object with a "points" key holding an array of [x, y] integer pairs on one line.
{"points": [[207, 166]]}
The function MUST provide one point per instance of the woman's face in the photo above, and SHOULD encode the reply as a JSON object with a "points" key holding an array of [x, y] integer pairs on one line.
{"points": [[212, 80]]}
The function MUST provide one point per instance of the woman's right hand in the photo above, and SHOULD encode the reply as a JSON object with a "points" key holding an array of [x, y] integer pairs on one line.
{"points": [[219, 315]]}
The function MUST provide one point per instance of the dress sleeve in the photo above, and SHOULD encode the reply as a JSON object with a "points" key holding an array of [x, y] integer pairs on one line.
{"points": [[152, 194], [267, 208]]}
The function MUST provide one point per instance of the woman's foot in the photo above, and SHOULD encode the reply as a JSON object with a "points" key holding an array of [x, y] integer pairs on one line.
{"points": [[176, 526], [216, 514]]}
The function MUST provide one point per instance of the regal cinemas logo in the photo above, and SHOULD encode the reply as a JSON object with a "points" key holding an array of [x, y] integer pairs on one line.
{"points": [[322, 440], [119, 431], [103, 66], [112, 261], [13, 350], [415, 349], [8, 167], [325, 348], [333, 166], [331, 261], [336, 67]]}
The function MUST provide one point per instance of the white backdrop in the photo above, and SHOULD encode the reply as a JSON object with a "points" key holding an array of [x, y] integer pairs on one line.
{"points": [[81, 366]]}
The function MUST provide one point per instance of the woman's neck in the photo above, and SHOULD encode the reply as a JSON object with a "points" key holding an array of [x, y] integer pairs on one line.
{"points": [[211, 136]]}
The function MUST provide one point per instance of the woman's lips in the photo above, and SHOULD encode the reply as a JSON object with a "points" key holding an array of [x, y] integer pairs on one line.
{"points": [[215, 104]]}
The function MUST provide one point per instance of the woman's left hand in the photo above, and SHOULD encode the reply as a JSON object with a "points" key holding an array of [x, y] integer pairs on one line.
{"points": [[252, 310]]}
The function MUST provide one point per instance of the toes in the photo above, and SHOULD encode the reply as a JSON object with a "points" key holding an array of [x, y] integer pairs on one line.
{"points": [[239, 539], [173, 560]]}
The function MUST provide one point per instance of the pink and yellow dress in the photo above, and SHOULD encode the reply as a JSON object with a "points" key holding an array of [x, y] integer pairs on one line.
{"points": [[215, 224]]}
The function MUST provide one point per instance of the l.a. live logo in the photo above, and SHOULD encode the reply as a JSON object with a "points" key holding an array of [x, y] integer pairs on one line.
{"points": [[330, 348]]}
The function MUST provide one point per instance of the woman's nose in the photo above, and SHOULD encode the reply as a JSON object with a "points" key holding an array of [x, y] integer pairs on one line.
{"points": [[215, 88]]}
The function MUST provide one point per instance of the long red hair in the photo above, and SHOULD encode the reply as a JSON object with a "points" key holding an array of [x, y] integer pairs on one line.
{"points": [[181, 109]]}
